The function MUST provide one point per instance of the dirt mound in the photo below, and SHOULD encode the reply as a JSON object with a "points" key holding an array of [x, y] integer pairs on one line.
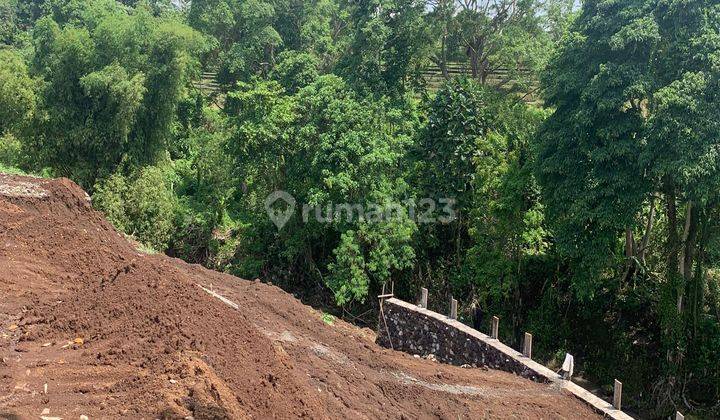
{"points": [[90, 326]]}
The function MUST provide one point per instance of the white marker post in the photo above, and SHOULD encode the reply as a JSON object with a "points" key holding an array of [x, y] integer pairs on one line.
{"points": [[568, 366], [423, 299], [495, 327], [453, 308], [527, 346], [617, 395]]}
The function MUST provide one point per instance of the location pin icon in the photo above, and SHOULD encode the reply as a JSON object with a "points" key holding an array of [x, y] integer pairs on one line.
{"points": [[277, 216]]}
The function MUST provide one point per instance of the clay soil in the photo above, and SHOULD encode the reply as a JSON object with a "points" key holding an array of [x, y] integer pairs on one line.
{"points": [[90, 326]]}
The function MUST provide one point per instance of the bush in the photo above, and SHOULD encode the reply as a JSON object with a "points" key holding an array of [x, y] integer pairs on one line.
{"points": [[10, 150], [142, 205]]}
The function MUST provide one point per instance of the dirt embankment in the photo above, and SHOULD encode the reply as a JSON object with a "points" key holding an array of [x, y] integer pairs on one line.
{"points": [[90, 326]]}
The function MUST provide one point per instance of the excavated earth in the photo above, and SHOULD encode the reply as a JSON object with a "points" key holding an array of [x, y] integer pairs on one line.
{"points": [[90, 326]]}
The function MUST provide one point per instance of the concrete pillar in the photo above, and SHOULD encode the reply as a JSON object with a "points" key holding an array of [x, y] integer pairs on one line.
{"points": [[527, 346], [495, 327], [617, 395], [423, 299], [453, 308]]}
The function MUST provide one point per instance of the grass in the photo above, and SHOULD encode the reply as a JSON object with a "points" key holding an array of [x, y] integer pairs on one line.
{"points": [[145, 249], [11, 170], [328, 319]]}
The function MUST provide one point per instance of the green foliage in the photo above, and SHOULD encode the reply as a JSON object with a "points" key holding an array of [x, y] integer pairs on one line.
{"points": [[17, 97], [109, 197], [8, 21], [597, 88], [244, 32], [461, 114], [11, 170], [389, 46], [312, 26], [476, 149], [295, 70], [338, 150], [10, 150], [143, 205], [111, 89], [205, 190], [635, 88], [328, 319]]}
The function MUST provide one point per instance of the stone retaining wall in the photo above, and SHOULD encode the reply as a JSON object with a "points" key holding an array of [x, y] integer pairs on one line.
{"points": [[419, 331], [412, 329]]}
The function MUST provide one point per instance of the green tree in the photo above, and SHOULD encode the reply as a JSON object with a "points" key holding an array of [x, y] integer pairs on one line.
{"points": [[476, 150], [317, 27], [109, 95], [17, 97], [243, 32], [629, 170], [295, 70], [17, 107], [498, 34], [389, 45], [324, 147], [142, 205], [597, 86]]}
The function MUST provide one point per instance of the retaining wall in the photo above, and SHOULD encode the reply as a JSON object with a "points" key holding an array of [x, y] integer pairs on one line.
{"points": [[412, 329]]}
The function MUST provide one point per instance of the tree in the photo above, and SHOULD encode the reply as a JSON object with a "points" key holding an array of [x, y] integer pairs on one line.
{"points": [[389, 45], [510, 240], [500, 33], [243, 32], [110, 94], [295, 70], [325, 147], [629, 157], [143, 205], [442, 24], [316, 27], [597, 87], [460, 117], [475, 150], [17, 97]]}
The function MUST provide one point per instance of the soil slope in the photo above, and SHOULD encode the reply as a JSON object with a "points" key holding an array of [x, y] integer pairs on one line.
{"points": [[91, 327]]}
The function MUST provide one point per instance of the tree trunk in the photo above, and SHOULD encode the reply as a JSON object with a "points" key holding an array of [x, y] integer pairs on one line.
{"points": [[673, 240], [642, 251], [443, 53], [474, 62], [629, 254], [629, 243], [688, 252]]}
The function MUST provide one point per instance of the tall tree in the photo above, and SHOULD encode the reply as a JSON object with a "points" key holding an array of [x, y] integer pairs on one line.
{"points": [[632, 147], [332, 152], [243, 32], [109, 94], [489, 29], [389, 45]]}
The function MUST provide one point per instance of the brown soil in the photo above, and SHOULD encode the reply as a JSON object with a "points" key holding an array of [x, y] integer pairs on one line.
{"points": [[90, 326]]}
